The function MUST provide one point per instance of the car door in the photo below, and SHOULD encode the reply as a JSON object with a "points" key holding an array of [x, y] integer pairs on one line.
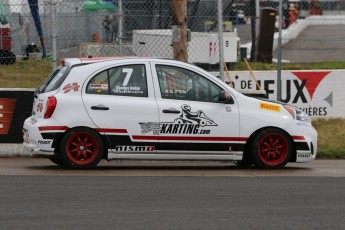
{"points": [[192, 119], [120, 100]]}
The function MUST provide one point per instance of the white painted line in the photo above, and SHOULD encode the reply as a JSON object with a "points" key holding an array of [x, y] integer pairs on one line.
{"points": [[1, 126], [1, 115], [1, 107]]}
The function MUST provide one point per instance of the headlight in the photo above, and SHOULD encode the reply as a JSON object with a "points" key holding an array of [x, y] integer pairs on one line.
{"points": [[297, 114]]}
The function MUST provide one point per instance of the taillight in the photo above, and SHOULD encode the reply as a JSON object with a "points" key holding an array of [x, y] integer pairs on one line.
{"points": [[51, 104]]}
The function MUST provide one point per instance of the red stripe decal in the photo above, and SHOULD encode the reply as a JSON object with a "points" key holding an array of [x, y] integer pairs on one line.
{"points": [[111, 130], [52, 128], [145, 138], [188, 138], [297, 138]]}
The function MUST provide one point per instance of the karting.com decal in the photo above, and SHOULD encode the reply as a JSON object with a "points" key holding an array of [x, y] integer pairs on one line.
{"points": [[187, 123]]}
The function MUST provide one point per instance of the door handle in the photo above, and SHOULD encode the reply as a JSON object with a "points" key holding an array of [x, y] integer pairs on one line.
{"points": [[99, 107], [171, 111]]}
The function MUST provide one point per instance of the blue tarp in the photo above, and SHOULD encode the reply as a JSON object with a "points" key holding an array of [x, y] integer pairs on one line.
{"points": [[36, 16], [96, 5]]}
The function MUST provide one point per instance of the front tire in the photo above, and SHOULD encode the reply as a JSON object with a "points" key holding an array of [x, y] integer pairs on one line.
{"points": [[81, 148], [271, 149]]}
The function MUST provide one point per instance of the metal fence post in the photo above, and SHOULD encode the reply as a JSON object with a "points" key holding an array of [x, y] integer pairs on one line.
{"points": [[220, 39], [279, 57], [120, 24], [53, 35]]}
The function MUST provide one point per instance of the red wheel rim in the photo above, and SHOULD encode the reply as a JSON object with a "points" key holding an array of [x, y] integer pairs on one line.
{"points": [[273, 149], [82, 148]]}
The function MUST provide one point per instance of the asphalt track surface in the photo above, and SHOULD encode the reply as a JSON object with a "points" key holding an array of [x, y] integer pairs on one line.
{"points": [[36, 194], [44, 167]]}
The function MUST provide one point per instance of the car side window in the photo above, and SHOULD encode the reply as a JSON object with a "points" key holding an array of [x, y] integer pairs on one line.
{"points": [[129, 80], [182, 84], [99, 84]]}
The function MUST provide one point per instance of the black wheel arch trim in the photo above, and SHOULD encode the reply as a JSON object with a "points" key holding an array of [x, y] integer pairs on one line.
{"points": [[295, 145], [57, 137]]}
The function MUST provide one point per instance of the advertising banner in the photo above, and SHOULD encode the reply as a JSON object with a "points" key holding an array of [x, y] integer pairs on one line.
{"points": [[15, 107], [318, 93]]}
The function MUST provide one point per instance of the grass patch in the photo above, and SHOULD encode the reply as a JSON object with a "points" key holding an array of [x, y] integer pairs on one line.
{"points": [[24, 74], [331, 139], [32, 73]]}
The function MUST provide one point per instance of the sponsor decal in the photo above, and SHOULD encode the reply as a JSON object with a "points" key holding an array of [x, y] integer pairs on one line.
{"points": [[126, 148], [99, 86], [7, 106], [228, 109], [187, 123], [39, 107], [128, 89], [71, 86], [303, 124], [270, 107], [150, 126], [41, 142], [303, 155]]}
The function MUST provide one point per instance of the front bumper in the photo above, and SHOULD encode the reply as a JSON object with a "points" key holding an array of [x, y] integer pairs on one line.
{"points": [[305, 140]]}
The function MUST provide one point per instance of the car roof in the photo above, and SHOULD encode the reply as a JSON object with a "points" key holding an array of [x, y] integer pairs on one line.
{"points": [[77, 61]]}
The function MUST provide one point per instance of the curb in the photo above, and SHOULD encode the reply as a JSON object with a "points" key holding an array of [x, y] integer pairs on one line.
{"points": [[14, 150]]}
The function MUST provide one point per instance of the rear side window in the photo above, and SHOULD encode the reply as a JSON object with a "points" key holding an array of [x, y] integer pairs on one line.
{"points": [[55, 80], [129, 80]]}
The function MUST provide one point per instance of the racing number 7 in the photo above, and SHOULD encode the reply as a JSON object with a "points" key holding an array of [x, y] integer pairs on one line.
{"points": [[128, 76]]}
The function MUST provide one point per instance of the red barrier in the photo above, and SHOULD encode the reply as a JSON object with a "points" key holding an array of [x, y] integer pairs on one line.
{"points": [[5, 38]]}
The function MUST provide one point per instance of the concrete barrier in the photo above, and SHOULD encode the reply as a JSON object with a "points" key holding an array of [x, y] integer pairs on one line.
{"points": [[14, 150]]}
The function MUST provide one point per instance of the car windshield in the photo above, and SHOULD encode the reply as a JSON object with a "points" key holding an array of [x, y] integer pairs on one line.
{"points": [[55, 80]]}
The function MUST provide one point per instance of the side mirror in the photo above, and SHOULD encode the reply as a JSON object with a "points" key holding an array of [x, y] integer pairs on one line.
{"points": [[225, 97]]}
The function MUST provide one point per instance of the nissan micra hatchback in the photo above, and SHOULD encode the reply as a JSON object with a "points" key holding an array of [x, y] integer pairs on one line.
{"points": [[154, 109]]}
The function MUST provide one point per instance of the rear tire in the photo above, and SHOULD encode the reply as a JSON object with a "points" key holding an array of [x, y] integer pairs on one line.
{"points": [[56, 160], [271, 149], [81, 148]]}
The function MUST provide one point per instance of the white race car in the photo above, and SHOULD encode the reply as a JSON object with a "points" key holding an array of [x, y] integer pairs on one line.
{"points": [[154, 109]]}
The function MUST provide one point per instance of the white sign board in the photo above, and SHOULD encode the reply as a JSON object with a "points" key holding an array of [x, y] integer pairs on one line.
{"points": [[318, 93], [230, 46]]}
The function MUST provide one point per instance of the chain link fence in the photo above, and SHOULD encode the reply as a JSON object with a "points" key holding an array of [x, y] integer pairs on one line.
{"points": [[312, 30]]}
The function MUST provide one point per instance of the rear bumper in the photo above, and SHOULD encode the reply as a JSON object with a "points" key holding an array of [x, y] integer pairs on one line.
{"points": [[33, 140]]}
